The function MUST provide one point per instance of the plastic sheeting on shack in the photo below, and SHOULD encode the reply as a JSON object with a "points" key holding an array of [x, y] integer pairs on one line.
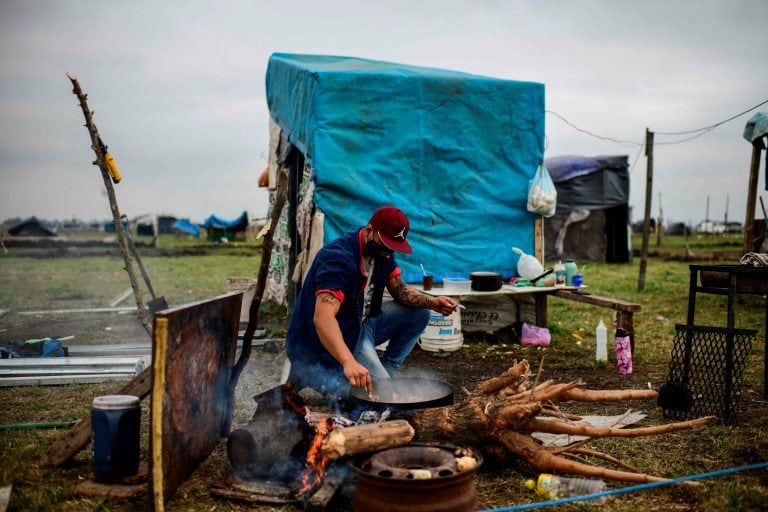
{"points": [[591, 222], [454, 151], [589, 183]]}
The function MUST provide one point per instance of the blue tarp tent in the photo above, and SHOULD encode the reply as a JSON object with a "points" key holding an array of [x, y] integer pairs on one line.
{"points": [[454, 151], [218, 227], [184, 226]]}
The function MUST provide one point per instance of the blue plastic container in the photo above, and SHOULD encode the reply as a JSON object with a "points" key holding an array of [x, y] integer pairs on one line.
{"points": [[116, 421]]}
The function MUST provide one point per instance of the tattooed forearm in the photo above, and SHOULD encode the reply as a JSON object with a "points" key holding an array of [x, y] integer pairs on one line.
{"points": [[409, 296]]}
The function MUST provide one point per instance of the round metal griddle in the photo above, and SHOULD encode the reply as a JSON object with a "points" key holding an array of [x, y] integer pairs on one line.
{"points": [[405, 393]]}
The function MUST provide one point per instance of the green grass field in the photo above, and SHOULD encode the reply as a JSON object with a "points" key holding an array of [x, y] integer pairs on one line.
{"points": [[78, 282]]}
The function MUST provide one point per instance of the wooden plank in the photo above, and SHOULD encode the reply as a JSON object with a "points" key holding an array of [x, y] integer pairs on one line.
{"points": [[322, 497], [115, 491], [156, 420], [123, 489], [120, 298], [79, 436], [597, 300], [538, 238], [193, 362]]}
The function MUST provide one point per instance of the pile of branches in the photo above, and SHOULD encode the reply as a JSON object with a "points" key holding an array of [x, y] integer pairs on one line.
{"points": [[500, 414]]}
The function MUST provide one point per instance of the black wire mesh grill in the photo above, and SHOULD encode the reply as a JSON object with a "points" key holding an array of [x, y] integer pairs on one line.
{"points": [[705, 372]]}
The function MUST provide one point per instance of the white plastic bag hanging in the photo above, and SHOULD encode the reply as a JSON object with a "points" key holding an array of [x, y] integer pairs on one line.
{"points": [[542, 194]]}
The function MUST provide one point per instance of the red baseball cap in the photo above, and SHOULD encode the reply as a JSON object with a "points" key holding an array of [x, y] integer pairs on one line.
{"points": [[392, 226]]}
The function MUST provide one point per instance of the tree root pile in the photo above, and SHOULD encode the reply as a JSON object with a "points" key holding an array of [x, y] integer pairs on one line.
{"points": [[500, 414]]}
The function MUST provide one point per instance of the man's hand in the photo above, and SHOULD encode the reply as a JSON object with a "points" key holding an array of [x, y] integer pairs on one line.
{"points": [[410, 296], [443, 305], [357, 375]]}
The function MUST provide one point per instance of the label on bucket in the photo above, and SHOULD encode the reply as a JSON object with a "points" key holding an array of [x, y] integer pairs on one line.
{"points": [[443, 333], [441, 326]]}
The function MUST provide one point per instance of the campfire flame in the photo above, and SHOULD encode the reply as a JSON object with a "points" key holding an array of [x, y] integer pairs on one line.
{"points": [[316, 463]]}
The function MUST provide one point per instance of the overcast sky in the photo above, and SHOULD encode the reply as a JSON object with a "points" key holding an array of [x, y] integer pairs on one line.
{"points": [[178, 90]]}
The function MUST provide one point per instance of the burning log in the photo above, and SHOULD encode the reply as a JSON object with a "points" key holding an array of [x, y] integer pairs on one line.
{"points": [[500, 415], [366, 438]]}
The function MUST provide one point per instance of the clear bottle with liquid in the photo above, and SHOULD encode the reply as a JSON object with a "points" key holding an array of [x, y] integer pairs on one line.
{"points": [[552, 487], [601, 334], [559, 274]]}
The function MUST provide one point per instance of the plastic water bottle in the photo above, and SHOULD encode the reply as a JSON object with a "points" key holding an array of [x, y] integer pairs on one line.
{"points": [[601, 333], [553, 487]]}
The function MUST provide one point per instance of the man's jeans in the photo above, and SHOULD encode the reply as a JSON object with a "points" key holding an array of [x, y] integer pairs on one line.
{"points": [[399, 324]]}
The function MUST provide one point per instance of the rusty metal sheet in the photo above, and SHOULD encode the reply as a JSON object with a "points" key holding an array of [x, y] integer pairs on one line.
{"points": [[193, 355]]}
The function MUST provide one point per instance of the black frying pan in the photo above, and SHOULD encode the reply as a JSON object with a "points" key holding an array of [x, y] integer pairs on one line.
{"points": [[405, 393]]}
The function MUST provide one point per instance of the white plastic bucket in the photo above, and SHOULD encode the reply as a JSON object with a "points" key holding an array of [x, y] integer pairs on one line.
{"points": [[443, 333]]}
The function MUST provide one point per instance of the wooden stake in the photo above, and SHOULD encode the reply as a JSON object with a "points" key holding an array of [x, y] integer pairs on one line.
{"points": [[96, 145], [158, 391], [754, 170], [647, 218]]}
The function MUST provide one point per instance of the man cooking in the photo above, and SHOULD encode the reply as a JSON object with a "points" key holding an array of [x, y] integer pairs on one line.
{"points": [[340, 317]]}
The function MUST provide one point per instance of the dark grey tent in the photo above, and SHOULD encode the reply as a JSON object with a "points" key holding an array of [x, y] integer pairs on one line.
{"points": [[30, 227], [591, 222]]}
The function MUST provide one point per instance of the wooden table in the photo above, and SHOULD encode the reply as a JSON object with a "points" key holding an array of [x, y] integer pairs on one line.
{"points": [[539, 294], [625, 310]]}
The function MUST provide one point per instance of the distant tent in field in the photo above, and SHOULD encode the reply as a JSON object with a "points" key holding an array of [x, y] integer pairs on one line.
{"points": [[147, 225], [184, 226], [591, 222], [30, 227], [218, 228]]}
